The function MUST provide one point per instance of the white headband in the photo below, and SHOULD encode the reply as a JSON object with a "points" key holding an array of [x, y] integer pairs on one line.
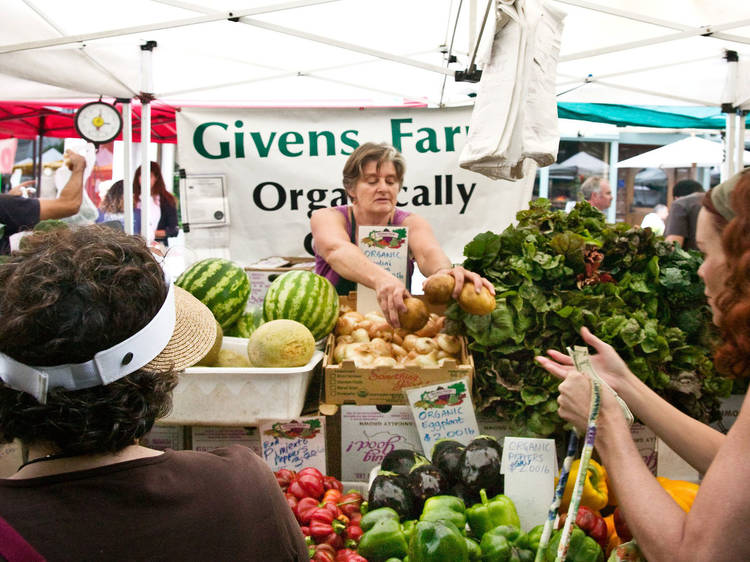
{"points": [[107, 365]]}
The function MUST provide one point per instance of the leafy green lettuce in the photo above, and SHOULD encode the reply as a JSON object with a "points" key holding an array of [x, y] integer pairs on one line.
{"points": [[644, 297]]}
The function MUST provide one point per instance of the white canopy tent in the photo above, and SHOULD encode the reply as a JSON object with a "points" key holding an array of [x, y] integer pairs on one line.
{"points": [[352, 53], [690, 151]]}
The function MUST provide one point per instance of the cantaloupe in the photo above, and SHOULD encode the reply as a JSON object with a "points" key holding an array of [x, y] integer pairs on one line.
{"points": [[280, 343]]}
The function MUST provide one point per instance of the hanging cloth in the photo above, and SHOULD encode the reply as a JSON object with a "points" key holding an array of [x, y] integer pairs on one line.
{"points": [[515, 112]]}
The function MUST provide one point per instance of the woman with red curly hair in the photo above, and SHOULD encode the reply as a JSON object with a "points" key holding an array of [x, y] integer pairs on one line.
{"points": [[716, 527]]}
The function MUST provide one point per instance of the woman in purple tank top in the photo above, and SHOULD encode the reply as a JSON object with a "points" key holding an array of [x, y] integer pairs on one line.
{"points": [[372, 177]]}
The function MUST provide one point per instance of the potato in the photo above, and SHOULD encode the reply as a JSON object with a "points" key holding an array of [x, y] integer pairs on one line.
{"points": [[438, 288], [473, 303], [416, 315]]}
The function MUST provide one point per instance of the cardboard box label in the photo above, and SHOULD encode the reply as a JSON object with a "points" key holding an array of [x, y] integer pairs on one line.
{"points": [[294, 444], [645, 441], [210, 438], [730, 409], [368, 435], [164, 437]]}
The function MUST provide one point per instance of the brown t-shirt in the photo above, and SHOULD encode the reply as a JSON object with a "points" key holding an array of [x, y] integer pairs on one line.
{"points": [[182, 506]]}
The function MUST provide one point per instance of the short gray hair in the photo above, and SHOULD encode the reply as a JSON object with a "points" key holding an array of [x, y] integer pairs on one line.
{"points": [[591, 186]]}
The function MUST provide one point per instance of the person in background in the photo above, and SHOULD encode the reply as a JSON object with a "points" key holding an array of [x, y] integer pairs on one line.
{"points": [[655, 219], [111, 209], [716, 526], [683, 216], [90, 311], [372, 177], [19, 213], [164, 208], [597, 191]]}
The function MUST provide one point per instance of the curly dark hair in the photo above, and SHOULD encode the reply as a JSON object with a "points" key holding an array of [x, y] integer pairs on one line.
{"points": [[733, 355], [65, 296]]}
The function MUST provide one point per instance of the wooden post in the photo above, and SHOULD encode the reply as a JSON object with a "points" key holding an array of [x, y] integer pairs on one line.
{"points": [[670, 185], [629, 194]]}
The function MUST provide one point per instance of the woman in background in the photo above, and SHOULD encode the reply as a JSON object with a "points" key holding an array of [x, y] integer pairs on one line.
{"points": [[163, 209]]}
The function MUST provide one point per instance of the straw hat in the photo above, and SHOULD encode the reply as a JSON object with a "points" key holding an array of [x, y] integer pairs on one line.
{"points": [[194, 334]]}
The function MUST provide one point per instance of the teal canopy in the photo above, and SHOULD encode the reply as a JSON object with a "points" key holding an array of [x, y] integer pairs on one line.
{"points": [[672, 117]]}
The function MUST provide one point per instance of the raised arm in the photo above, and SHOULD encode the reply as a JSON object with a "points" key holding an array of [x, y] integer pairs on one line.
{"points": [[69, 200], [715, 528], [692, 440], [333, 245]]}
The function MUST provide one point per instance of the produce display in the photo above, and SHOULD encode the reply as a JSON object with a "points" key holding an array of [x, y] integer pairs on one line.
{"points": [[369, 341], [305, 297], [438, 289], [220, 284], [280, 343], [554, 273], [329, 519]]}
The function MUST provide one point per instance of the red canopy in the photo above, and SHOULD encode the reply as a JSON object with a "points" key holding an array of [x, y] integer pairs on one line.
{"points": [[27, 120]]}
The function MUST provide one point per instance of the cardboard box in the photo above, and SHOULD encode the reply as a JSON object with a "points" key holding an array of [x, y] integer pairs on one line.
{"points": [[210, 438], [346, 383], [11, 457], [238, 396], [263, 273]]}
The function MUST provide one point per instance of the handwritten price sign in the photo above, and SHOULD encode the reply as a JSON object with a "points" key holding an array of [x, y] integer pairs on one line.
{"points": [[294, 444]]}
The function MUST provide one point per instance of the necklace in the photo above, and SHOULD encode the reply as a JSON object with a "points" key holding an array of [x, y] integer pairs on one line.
{"points": [[50, 457]]}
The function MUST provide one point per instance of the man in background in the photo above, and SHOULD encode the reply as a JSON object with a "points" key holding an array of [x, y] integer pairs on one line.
{"points": [[19, 213], [597, 191], [683, 216]]}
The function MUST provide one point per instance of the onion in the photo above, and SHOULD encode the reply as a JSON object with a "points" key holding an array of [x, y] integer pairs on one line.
{"points": [[409, 341], [379, 346], [380, 329], [429, 360], [340, 352], [433, 326], [344, 339], [360, 335], [398, 352], [448, 343], [423, 346], [384, 362]]}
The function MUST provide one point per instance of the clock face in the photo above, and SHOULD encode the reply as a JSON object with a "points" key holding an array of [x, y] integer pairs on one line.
{"points": [[98, 122]]}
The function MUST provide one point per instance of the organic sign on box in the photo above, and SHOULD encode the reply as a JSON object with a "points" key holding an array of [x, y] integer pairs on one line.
{"points": [[368, 435], [294, 444], [443, 411]]}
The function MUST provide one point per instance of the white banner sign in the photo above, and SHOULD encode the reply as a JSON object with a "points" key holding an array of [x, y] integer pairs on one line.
{"points": [[281, 165]]}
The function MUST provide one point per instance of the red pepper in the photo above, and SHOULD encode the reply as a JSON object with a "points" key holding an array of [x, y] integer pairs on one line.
{"points": [[292, 501], [349, 555], [307, 486], [311, 470], [331, 495], [323, 553], [354, 532], [331, 483], [350, 503], [592, 524], [285, 477], [321, 514], [334, 539], [621, 527], [355, 518], [305, 531], [304, 509]]}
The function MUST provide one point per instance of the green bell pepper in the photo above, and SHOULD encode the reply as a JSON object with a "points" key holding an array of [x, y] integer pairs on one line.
{"points": [[475, 552], [384, 540], [445, 508], [530, 540], [503, 544], [582, 548], [368, 521], [488, 514], [408, 528], [437, 541]]}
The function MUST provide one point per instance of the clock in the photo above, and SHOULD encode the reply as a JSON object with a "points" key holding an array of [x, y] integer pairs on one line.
{"points": [[98, 122]]}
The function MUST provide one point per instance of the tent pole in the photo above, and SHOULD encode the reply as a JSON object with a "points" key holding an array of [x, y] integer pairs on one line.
{"points": [[544, 182], [146, 96], [728, 165], [614, 156], [127, 170], [739, 154]]}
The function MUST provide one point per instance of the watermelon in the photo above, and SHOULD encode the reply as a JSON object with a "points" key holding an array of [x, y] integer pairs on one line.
{"points": [[247, 323], [220, 284], [304, 297]]}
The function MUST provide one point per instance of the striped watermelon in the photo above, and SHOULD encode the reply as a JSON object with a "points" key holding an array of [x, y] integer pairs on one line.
{"points": [[305, 297], [220, 284], [247, 323]]}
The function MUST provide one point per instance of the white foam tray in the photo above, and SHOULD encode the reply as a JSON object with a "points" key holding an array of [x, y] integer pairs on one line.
{"points": [[238, 396]]}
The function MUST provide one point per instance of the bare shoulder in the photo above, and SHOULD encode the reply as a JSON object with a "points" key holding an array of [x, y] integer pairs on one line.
{"points": [[415, 220]]}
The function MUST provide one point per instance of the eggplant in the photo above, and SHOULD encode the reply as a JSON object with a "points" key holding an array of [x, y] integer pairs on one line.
{"points": [[446, 455], [426, 480], [391, 490], [469, 497], [480, 465], [400, 461]]}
